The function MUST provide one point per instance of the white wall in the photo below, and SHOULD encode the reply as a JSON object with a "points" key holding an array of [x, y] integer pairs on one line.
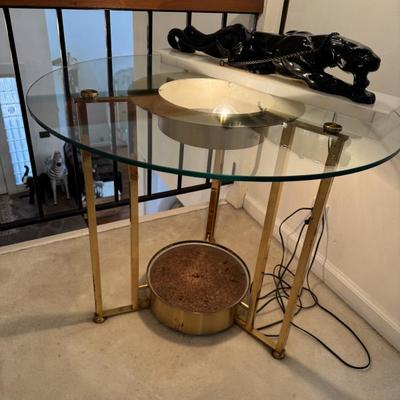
{"points": [[373, 22], [363, 251]]}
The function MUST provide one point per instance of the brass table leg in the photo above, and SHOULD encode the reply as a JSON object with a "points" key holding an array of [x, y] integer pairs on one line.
{"points": [[263, 251], [212, 210], [316, 215], [278, 347], [134, 233], [90, 96], [335, 150], [91, 207], [268, 227], [93, 239], [134, 208], [214, 197], [334, 153]]}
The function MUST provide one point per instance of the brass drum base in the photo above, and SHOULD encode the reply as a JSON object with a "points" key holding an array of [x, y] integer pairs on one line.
{"points": [[195, 286]]}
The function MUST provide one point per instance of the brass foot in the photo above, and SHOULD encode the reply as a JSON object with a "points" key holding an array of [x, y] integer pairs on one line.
{"points": [[278, 355], [98, 320]]}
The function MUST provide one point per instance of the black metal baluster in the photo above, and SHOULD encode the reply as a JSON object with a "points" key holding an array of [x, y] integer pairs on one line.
{"points": [[180, 163], [110, 78], [21, 97], [70, 114], [253, 21], [189, 18], [285, 9], [181, 145], [224, 20]]}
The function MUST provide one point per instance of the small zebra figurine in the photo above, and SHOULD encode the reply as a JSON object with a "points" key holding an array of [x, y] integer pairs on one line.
{"points": [[57, 171]]}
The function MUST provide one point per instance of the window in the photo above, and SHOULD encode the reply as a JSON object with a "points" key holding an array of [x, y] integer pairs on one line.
{"points": [[14, 127]]}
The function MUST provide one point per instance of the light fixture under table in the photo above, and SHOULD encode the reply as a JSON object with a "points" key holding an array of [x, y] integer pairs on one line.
{"points": [[252, 136]]}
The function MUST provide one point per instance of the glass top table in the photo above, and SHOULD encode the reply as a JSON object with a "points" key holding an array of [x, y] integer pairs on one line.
{"points": [[245, 124], [142, 112]]}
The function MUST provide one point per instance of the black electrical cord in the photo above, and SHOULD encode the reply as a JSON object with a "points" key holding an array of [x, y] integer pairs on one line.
{"points": [[281, 274]]}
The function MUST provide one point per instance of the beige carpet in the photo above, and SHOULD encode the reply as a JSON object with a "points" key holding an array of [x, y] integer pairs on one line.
{"points": [[50, 349]]}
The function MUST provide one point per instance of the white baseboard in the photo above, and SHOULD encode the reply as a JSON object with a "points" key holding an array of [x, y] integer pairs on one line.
{"points": [[360, 301]]}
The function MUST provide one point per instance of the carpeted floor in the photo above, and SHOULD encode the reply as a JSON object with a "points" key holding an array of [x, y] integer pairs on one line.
{"points": [[6, 215], [17, 208], [50, 349]]}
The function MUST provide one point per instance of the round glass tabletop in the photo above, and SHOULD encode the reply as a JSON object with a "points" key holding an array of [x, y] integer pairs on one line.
{"points": [[143, 112]]}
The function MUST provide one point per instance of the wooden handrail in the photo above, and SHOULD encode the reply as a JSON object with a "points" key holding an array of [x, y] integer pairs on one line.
{"points": [[234, 6]]}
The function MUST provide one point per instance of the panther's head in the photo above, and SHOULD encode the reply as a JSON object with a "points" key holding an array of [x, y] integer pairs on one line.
{"points": [[351, 56], [357, 59]]}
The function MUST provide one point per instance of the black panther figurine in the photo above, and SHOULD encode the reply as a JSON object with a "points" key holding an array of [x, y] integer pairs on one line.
{"points": [[295, 54]]}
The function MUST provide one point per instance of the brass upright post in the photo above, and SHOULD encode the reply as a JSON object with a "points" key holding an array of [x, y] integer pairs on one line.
{"points": [[263, 250], [214, 196], [91, 206], [134, 207], [316, 215], [268, 227]]}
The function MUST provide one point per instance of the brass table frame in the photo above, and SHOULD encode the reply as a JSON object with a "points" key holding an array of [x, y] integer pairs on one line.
{"points": [[278, 345]]}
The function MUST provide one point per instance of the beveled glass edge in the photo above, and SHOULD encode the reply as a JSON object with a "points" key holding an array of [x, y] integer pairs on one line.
{"points": [[221, 177]]}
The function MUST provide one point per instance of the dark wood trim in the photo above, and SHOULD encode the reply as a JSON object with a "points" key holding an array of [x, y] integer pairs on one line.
{"points": [[236, 6]]}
